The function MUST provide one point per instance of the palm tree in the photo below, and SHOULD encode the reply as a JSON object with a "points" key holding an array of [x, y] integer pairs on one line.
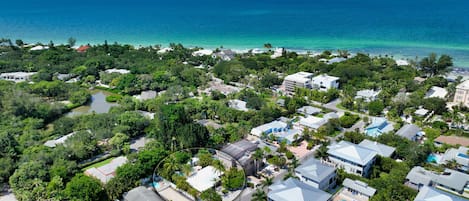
{"points": [[294, 163], [186, 169], [218, 165], [321, 152], [257, 155], [268, 46], [433, 66], [259, 195], [290, 174], [267, 182], [170, 166], [452, 164]]}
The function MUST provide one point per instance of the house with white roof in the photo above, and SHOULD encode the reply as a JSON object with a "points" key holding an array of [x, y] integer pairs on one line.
{"points": [[357, 190], [368, 95], [381, 149], [17, 76], [225, 55], [411, 132], [297, 80], [308, 110], [421, 112], [238, 105], [449, 180], [459, 155], [295, 190], [317, 174], [378, 126], [204, 179], [353, 158], [278, 52], [432, 194], [146, 95], [311, 122], [202, 52], [108, 171], [115, 70], [436, 92], [325, 82], [462, 93], [274, 126], [141, 194], [164, 50]]}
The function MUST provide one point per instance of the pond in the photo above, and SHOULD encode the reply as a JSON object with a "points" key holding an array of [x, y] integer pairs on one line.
{"points": [[98, 104]]}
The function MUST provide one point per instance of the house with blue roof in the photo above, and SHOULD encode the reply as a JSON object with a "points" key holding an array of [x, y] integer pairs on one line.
{"points": [[378, 126]]}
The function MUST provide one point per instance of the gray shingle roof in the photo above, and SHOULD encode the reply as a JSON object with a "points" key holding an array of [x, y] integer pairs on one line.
{"points": [[315, 170], [408, 131], [383, 150], [142, 194], [359, 186], [308, 110], [294, 190], [453, 179]]}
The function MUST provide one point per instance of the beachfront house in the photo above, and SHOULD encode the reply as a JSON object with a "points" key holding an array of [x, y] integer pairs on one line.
{"points": [[411, 132], [353, 158], [238, 105], [17, 76], [297, 80], [141, 194], [317, 174], [239, 151], [378, 126], [462, 93], [202, 52], [106, 172], [368, 95], [357, 190], [325, 82], [459, 156], [382, 149], [449, 180], [308, 110], [436, 92], [433, 194], [225, 55], [295, 190]]}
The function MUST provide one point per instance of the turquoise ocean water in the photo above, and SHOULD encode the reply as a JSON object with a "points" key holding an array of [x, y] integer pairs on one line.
{"points": [[403, 28]]}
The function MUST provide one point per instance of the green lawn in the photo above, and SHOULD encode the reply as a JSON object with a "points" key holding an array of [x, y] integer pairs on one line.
{"points": [[99, 164]]}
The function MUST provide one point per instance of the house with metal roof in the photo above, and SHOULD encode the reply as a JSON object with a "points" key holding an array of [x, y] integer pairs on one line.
{"points": [[108, 171], [17, 76], [367, 95], [238, 105], [325, 82], [432, 194], [436, 92], [204, 179], [378, 126], [459, 155], [449, 180], [411, 132], [316, 174], [141, 194], [239, 151], [308, 110], [295, 190], [312, 122], [381, 149], [353, 158], [358, 190], [274, 126]]}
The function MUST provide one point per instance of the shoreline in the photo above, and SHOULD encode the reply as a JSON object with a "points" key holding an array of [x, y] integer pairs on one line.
{"points": [[398, 53]]}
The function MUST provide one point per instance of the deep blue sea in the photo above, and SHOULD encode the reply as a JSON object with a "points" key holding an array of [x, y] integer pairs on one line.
{"points": [[403, 28]]}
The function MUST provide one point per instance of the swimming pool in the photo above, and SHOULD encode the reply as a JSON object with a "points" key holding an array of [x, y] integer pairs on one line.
{"points": [[156, 185], [432, 158]]}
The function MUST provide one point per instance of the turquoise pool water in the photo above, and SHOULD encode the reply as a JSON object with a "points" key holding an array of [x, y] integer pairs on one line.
{"points": [[432, 158], [156, 185]]}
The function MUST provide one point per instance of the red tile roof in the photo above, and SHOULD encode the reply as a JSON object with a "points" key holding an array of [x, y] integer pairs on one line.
{"points": [[83, 48]]}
